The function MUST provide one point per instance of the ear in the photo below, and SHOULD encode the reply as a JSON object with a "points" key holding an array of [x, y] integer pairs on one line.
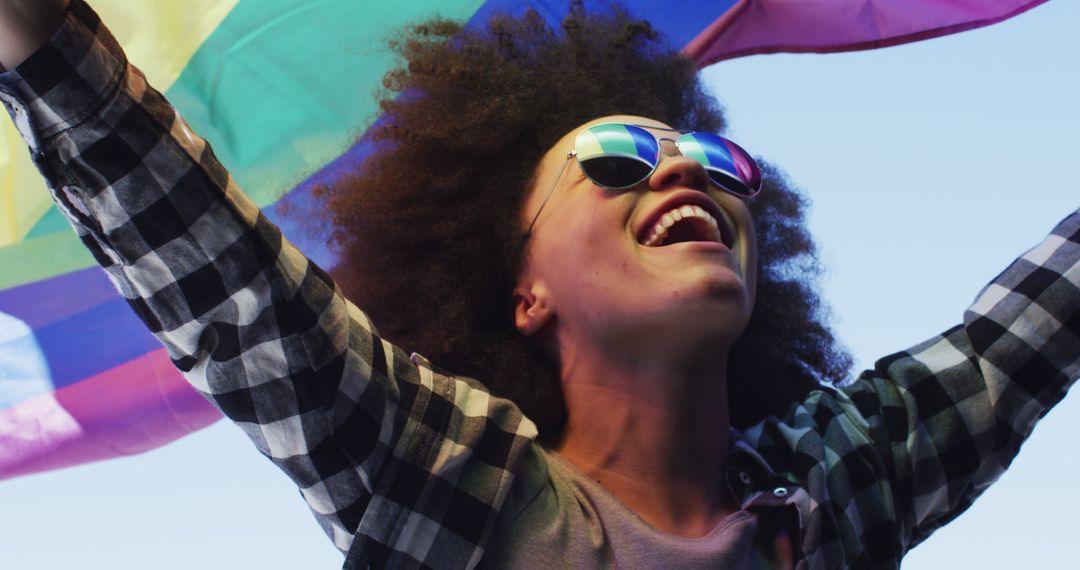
{"points": [[532, 308]]}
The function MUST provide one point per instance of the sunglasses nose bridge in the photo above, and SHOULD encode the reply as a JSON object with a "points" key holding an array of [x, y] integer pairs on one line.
{"points": [[678, 170], [667, 147]]}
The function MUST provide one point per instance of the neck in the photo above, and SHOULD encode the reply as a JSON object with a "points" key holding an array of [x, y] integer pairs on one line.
{"points": [[653, 431]]}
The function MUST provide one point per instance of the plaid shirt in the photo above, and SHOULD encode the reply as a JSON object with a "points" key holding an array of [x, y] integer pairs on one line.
{"points": [[407, 467]]}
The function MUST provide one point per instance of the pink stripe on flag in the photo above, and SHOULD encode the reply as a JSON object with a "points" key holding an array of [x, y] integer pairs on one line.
{"points": [[129, 409], [771, 26]]}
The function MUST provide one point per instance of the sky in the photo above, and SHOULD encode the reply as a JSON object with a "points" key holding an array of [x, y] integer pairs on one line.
{"points": [[930, 167]]}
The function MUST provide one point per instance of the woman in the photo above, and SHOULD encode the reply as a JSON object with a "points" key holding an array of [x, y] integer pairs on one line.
{"points": [[417, 465]]}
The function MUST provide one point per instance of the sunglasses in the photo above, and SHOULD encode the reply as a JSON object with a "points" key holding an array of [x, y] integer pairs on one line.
{"points": [[619, 156]]}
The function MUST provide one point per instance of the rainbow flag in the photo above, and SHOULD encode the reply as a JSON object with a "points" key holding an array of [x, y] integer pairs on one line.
{"points": [[281, 89]]}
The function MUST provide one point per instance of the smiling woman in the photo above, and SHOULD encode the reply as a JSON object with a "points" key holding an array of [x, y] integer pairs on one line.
{"points": [[450, 235], [680, 379]]}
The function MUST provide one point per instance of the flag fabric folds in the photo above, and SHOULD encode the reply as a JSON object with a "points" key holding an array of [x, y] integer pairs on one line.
{"points": [[281, 88], [822, 26]]}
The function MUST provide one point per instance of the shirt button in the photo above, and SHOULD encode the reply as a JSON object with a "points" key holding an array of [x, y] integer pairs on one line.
{"points": [[780, 491], [744, 477]]}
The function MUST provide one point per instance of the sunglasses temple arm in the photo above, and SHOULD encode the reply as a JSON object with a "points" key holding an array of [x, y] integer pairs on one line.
{"points": [[548, 195]]}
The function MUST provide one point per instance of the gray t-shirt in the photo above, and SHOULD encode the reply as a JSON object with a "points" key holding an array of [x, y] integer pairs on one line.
{"points": [[558, 517]]}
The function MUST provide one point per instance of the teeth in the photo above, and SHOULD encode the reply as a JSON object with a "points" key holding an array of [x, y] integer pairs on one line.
{"points": [[660, 230], [656, 238]]}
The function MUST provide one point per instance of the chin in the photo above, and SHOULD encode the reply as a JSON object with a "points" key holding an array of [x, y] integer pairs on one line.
{"points": [[714, 285]]}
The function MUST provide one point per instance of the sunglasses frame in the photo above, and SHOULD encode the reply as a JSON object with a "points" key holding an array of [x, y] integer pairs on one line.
{"points": [[573, 154]]}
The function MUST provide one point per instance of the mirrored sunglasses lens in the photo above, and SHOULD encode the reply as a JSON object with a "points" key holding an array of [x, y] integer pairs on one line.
{"points": [[728, 165], [616, 171], [616, 155], [730, 183]]}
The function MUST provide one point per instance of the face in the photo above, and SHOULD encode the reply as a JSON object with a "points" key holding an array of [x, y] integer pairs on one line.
{"points": [[595, 272]]}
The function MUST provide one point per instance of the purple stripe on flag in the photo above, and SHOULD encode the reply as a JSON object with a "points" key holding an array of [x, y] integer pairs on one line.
{"points": [[97, 339], [135, 407], [44, 302], [771, 26], [82, 332]]}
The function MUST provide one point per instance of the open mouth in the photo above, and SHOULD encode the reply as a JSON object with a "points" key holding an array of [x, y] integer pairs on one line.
{"points": [[688, 223]]}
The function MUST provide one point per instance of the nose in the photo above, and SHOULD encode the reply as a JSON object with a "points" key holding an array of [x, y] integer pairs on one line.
{"points": [[678, 170]]}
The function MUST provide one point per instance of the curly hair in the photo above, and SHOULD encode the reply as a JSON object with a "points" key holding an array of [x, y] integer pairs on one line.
{"points": [[427, 228]]}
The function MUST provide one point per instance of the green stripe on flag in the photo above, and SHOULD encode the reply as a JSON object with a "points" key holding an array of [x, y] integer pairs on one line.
{"points": [[43, 257], [283, 87], [280, 88], [53, 221]]}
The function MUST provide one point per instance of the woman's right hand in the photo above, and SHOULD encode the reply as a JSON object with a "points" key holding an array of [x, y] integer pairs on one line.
{"points": [[26, 25]]}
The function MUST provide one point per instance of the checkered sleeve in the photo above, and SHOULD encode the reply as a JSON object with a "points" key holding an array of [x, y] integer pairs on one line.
{"points": [[401, 465], [950, 414]]}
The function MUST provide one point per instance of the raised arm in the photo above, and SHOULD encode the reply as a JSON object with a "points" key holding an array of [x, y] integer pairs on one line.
{"points": [[370, 438], [909, 445], [951, 413]]}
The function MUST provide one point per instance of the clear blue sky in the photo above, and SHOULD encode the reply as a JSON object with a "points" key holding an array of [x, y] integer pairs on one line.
{"points": [[930, 166]]}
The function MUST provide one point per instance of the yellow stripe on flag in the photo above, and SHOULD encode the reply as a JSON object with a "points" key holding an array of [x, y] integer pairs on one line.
{"points": [[23, 198], [160, 37]]}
